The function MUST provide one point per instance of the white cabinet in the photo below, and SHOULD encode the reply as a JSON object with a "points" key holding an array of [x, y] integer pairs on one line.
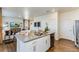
{"points": [[39, 45], [43, 44], [47, 41], [26, 47], [30, 46]]}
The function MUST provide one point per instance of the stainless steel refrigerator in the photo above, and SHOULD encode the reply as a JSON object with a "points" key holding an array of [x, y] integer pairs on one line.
{"points": [[76, 32]]}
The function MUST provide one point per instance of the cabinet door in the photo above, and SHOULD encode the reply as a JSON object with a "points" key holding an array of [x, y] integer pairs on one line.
{"points": [[27, 47], [43, 44], [40, 45], [47, 42]]}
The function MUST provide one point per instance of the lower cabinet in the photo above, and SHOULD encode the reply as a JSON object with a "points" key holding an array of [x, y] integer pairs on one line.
{"points": [[47, 41], [41, 45], [38, 45], [26, 47]]}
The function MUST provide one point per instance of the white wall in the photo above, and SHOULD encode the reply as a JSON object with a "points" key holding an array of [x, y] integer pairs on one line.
{"points": [[51, 19], [66, 24]]}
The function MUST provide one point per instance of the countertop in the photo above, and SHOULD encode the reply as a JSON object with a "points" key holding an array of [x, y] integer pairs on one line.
{"points": [[25, 38]]}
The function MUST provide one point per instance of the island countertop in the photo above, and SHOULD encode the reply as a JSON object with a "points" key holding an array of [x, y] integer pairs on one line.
{"points": [[25, 38]]}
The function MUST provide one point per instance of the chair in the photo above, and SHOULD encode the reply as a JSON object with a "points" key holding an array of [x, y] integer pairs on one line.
{"points": [[9, 37]]}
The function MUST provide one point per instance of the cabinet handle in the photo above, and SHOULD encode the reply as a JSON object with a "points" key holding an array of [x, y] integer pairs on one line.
{"points": [[34, 48]]}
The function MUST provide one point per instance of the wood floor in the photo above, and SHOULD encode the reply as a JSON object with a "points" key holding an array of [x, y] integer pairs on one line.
{"points": [[62, 45], [11, 47]]}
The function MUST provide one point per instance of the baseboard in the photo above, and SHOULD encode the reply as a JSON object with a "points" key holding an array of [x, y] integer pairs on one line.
{"points": [[66, 39]]}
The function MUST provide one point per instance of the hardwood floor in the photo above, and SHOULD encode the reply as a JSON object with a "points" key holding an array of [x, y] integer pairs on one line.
{"points": [[64, 45], [11, 47]]}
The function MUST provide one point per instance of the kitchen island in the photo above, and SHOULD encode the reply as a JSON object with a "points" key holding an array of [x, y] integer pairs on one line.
{"points": [[33, 43]]}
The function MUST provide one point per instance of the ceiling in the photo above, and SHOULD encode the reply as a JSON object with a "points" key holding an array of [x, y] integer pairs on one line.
{"points": [[37, 11]]}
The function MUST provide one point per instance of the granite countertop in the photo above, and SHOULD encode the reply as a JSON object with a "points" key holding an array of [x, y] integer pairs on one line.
{"points": [[25, 38]]}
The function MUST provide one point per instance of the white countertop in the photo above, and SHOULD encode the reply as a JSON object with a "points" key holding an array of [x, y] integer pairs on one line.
{"points": [[28, 38]]}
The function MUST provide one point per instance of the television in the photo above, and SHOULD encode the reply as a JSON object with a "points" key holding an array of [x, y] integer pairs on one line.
{"points": [[37, 24]]}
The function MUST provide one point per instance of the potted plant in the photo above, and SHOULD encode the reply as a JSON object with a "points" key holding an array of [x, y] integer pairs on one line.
{"points": [[46, 28]]}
